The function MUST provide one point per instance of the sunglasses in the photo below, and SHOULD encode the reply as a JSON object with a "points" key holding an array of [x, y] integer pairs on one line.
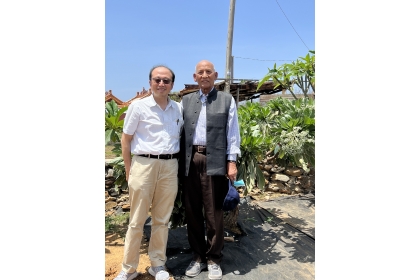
{"points": [[165, 81]]}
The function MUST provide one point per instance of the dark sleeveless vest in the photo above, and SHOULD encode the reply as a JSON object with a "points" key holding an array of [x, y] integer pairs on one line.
{"points": [[218, 103]]}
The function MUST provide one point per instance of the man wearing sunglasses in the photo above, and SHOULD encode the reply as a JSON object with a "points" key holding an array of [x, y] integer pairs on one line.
{"points": [[151, 132], [212, 142]]}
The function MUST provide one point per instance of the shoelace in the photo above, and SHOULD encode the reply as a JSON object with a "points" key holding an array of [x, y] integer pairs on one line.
{"points": [[193, 264], [122, 274], [158, 268], [214, 266]]}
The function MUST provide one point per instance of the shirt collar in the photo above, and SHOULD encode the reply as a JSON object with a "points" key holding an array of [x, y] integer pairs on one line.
{"points": [[201, 93], [152, 102]]}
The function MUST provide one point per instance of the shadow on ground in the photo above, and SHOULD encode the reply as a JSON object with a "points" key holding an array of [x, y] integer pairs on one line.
{"points": [[275, 243]]}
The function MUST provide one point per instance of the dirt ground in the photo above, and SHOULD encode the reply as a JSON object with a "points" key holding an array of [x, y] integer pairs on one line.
{"points": [[114, 250]]}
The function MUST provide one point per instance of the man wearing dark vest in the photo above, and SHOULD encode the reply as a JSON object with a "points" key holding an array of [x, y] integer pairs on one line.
{"points": [[210, 146]]}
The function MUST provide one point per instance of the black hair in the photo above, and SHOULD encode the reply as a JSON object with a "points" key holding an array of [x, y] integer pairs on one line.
{"points": [[160, 65]]}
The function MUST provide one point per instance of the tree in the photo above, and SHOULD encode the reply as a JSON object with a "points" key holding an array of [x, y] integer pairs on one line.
{"points": [[303, 71], [300, 73]]}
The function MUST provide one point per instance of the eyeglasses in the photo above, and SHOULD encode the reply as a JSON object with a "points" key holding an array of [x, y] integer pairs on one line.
{"points": [[165, 81]]}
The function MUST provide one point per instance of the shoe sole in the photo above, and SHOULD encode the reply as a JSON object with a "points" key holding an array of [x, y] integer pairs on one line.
{"points": [[212, 278], [151, 272], [193, 275]]}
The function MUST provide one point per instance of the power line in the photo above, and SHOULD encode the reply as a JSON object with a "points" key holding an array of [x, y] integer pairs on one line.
{"points": [[263, 59], [291, 24]]}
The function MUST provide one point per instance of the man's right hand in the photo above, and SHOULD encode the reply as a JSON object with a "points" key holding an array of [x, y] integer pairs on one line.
{"points": [[126, 152]]}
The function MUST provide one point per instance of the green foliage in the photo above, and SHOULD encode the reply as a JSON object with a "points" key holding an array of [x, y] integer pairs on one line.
{"points": [[253, 126], [283, 129], [114, 122], [293, 131], [175, 96], [117, 223], [303, 69], [295, 147], [280, 76], [299, 112], [300, 73], [118, 166]]}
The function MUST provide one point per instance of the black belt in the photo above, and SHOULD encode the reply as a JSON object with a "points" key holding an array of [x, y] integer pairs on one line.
{"points": [[165, 156], [199, 149]]}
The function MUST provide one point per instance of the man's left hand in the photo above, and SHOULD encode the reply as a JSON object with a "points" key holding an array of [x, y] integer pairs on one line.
{"points": [[231, 171]]}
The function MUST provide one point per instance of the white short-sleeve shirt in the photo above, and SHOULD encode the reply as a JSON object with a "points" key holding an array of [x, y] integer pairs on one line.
{"points": [[155, 131]]}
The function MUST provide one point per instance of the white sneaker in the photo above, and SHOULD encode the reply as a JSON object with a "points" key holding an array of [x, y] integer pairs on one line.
{"points": [[126, 276], [194, 268], [215, 272], [159, 272]]}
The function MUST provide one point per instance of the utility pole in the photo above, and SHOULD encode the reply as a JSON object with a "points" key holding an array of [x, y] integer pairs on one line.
{"points": [[229, 70]]}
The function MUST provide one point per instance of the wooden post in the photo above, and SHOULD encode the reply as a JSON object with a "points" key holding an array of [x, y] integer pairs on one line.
{"points": [[229, 46]]}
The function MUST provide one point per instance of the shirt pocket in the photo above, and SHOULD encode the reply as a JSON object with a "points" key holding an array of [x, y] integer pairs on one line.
{"points": [[175, 127]]}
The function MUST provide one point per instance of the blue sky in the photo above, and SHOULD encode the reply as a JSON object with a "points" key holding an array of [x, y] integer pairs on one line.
{"points": [[141, 34]]}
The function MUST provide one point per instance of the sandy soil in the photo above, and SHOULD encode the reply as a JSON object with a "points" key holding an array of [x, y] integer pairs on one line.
{"points": [[114, 250]]}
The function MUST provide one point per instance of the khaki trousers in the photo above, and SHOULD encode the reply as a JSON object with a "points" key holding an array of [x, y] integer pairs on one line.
{"points": [[152, 182]]}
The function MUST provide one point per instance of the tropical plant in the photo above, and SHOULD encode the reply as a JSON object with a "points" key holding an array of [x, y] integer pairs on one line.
{"points": [[291, 113], [280, 76], [118, 166], [282, 132], [114, 121], [254, 140], [303, 71], [300, 73], [295, 147], [293, 132]]}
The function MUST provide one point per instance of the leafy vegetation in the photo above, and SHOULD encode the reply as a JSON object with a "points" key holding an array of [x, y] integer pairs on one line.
{"points": [[114, 122], [254, 125], [117, 223], [300, 73], [282, 132], [293, 132]]}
